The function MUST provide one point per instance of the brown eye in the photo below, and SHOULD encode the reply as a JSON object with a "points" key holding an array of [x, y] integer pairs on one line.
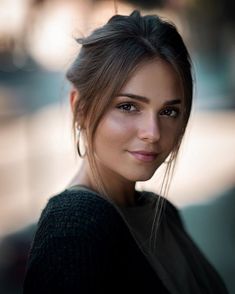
{"points": [[170, 112], [127, 107]]}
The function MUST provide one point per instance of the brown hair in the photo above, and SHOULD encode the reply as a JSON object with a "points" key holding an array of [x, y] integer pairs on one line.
{"points": [[106, 61]]}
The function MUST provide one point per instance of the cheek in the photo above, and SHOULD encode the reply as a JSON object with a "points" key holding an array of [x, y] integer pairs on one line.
{"points": [[170, 136], [114, 130]]}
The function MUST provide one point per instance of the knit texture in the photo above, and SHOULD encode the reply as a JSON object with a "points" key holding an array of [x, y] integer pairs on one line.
{"points": [[82, 245]]}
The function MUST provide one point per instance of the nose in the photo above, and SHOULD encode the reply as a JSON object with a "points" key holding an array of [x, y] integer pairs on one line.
{"points": [[149, 129]]}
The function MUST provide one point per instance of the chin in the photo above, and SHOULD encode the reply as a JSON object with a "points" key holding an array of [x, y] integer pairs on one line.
{"points": [[141, 177]]}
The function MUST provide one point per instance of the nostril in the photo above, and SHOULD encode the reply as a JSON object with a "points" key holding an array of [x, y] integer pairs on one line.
{"points": [[151, 134]]}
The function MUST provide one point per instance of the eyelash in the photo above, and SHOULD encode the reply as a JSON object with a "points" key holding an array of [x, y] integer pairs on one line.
{"points": [[129, 104], [176, 110]]}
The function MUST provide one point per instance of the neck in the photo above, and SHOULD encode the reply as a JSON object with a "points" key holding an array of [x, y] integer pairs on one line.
{"points": [[121, 191]]}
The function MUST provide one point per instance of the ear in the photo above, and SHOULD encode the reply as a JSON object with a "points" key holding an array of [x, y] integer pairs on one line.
{"points": [[73, 97]]}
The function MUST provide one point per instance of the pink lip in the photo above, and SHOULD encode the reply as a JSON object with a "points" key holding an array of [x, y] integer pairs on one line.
{"points": [[144, 156]]}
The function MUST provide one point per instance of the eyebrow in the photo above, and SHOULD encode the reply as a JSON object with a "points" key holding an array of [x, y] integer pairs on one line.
{"points": [[146, 100]]}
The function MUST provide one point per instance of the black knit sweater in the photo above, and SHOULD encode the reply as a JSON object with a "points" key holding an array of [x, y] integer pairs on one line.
{"points": [[82, 245]]}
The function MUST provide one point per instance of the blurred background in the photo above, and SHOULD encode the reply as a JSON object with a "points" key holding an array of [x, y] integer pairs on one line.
{"points": [[38, 158]]}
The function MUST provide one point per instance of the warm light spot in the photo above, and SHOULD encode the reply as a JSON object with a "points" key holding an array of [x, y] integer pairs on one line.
{"points": [[51, 42], [12, 14]]}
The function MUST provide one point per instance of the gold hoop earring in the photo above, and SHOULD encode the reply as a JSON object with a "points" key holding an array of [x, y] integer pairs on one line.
{"points": [[78, 144]]}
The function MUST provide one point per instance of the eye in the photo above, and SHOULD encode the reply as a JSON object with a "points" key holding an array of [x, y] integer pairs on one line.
{"points": [[127, 107], [170, 112]]}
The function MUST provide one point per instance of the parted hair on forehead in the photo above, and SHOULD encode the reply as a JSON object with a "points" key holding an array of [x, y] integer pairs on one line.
{"points": [[108, 58]]}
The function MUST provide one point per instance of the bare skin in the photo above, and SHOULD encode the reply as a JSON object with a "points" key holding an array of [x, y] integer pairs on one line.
{"points": [[146, 116]]}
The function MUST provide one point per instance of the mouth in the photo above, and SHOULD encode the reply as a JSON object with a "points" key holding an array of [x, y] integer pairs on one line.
{"points": [[144, 156]]}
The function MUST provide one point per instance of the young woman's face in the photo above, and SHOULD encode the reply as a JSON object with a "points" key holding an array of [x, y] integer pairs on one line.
{"points": [[142, 124]]}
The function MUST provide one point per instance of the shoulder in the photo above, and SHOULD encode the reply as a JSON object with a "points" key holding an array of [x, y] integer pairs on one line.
{"points": [[77, 212], [170, 210], [174, 213], [75, 241]]}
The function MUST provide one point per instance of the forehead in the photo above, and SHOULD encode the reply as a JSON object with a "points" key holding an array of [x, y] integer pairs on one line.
{"points": [[155, 79]]}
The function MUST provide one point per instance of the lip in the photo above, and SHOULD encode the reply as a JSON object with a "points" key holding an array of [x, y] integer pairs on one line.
{"points": [[144, 155]]}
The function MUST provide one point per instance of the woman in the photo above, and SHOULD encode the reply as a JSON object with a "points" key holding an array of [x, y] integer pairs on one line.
{"points": [[131, 99]]}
